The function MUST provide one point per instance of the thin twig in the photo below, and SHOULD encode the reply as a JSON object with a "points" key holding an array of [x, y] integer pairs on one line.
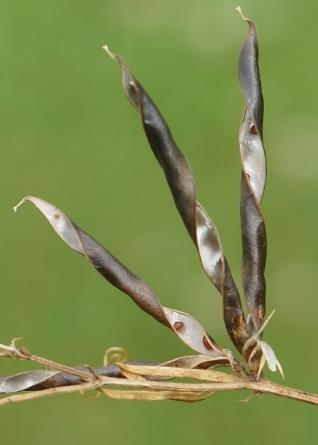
{"points": [[150, 387], [263, 386], [47, 392], [23, 353]]}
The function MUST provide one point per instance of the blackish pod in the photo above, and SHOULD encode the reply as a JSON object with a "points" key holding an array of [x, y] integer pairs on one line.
{"points": [[253, 160], [181, 183], [184, 325]]}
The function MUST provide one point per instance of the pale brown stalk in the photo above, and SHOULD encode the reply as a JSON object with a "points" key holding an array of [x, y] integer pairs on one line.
{"points": [[149, 384]]}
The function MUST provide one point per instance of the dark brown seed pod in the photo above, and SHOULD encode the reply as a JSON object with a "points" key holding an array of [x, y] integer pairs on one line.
{"points": [[41, 379], [253, 180], [181, 183], [245, 336], [184, 325], [26, 380]]}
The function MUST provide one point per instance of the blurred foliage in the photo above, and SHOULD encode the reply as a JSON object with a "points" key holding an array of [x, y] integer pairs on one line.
{"points": [[68, 135]]}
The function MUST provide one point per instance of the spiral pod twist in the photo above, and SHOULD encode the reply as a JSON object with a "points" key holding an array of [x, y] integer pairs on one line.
{"points": [[188, 329], [253, 181], [180, 179], [245, 333]]}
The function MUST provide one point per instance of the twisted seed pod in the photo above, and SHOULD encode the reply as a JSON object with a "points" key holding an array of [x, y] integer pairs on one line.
{"points": [[184, 325], [25, 380], [181, 182], [253, 180], [41, 379]]}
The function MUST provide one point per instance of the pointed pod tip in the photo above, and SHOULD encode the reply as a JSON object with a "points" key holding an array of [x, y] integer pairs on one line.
{"points": [[23, 200], [61, 224], [239, 10], [109, 52]]}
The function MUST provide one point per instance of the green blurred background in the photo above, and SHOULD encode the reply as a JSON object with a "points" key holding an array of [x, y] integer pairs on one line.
{"points": [[69, 135]]}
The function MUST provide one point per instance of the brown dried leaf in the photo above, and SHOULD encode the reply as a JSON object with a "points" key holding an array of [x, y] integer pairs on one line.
{"points": [[173, 372], [180, 396]]}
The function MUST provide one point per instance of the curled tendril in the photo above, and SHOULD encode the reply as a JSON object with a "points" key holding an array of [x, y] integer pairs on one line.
{"points": [[115, 354]]}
